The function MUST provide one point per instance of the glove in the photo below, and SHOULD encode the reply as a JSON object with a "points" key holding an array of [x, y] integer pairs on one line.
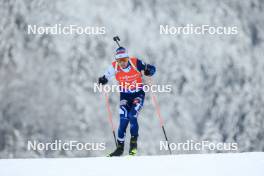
{"points": [[102, 80], [150, 70]]}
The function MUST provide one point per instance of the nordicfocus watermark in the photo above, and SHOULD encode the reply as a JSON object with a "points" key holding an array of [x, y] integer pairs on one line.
{"points": [[59, 29], [63, 145], [132, 88], [190, 29], [191, 145]]}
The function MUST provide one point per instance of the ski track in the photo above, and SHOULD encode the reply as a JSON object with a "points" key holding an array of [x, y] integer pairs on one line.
{"points": [[235, 164]]}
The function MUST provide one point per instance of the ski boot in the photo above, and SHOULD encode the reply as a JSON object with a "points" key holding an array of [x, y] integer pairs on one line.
{"points": [[133, 146], [119, 150]]}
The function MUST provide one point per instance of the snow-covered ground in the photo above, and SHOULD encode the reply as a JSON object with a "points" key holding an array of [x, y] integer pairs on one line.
{"points": [[239, 164]]}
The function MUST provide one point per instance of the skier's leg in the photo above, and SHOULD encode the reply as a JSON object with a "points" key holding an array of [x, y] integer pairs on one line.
{"points": [[123, 112], [121, 129], [133, 115]]}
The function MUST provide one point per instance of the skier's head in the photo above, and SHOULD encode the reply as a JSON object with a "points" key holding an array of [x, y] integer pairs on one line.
{"points": [[122, 57]]}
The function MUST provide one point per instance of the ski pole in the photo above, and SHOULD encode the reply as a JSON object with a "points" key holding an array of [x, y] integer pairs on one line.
{"points": [[110, 117], [116, 39], [156, 106]]}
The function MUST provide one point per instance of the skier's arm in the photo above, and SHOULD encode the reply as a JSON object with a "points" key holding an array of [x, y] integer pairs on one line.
{"points": [[149, 70], [110, 72]]}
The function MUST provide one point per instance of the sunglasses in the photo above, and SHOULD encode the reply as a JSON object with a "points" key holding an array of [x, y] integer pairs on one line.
{"points": [[122, 60]]}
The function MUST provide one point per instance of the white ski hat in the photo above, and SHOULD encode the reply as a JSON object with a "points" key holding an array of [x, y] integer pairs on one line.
{"points": [[121, 53]]}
